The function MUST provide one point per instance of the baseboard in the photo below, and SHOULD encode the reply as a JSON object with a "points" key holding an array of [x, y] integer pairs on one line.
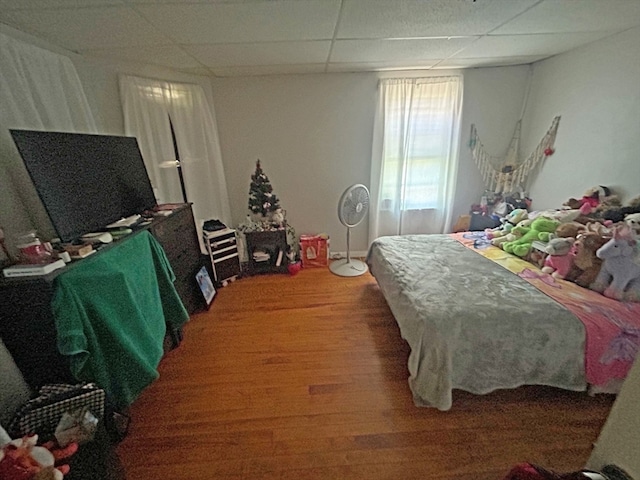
{"points": [[354, 254]]}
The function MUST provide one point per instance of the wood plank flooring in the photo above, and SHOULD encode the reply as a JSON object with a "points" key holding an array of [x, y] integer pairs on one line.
{"points": [[305, 377]]}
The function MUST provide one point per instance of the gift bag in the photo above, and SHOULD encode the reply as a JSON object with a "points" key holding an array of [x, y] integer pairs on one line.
{"points": [[42, 414], [314, 250]]}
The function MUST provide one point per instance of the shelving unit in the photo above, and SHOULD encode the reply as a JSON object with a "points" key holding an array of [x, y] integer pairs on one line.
{"points": [[223, 252], [267, 251]]}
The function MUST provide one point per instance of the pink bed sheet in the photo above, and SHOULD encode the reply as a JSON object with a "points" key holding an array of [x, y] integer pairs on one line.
{"points": [[612, 327]]}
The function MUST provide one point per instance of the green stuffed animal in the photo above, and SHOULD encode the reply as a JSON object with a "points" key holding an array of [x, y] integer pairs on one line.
{"points": [[541, 229]]}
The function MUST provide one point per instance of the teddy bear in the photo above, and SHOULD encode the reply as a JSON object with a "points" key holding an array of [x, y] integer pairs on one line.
{"points": [[569, 229], [586, 265], [541, 229], [594, 199], [560, 256], [633, 221]]}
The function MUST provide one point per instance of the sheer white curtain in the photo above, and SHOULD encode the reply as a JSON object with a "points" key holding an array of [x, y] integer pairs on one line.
{"points": [[415, 155], [148, 104], [39, 90]]}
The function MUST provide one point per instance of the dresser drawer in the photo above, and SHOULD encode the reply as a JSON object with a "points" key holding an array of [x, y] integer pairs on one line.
{"points": [[223, 242], [177, 232], [178, 236], [226, 267]]}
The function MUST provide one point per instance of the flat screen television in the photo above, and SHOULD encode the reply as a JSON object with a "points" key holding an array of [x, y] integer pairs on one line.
{"points": [[85, 181]]}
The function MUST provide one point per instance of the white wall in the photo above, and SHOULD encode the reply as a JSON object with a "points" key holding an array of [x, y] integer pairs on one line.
{"points": [[313, 134], [493, 100], [596, 91]]}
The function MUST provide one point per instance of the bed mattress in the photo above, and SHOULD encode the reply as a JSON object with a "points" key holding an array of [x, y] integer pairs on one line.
{"points": [[472, 324]]}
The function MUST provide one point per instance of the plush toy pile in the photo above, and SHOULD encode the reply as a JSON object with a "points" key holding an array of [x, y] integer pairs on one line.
{"points": [[591, 241]]}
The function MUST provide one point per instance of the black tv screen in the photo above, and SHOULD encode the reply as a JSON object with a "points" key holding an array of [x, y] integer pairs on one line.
{"points": [[85, 181]]}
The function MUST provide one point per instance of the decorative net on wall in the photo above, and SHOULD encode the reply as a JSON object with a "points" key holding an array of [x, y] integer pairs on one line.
{"points": [[510, 174]]}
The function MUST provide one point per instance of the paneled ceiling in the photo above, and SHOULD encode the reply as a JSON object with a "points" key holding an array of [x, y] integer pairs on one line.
{"points": [[259, 37]]}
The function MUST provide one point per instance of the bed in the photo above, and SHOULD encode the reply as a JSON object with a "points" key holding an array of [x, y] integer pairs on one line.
{"points": [[479, 319]]}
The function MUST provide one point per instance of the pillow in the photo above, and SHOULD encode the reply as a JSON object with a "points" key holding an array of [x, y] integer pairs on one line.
{"points": [[14, 391]]}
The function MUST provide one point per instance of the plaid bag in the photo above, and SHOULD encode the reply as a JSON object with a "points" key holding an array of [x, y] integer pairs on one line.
{"points": [[42, 414]]}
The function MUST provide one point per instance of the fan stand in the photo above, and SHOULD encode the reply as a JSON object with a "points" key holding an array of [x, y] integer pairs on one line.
{"points": [[348, 267]]}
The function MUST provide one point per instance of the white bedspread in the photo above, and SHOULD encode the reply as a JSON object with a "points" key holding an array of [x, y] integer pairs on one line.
{"points": [[471, 324]]}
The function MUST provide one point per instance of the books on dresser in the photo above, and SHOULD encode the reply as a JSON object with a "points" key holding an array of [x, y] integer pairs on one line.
{"points": [[27, 270]]}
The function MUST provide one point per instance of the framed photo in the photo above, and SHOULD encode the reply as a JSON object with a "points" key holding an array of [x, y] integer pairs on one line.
{"points": [[206, 285]]}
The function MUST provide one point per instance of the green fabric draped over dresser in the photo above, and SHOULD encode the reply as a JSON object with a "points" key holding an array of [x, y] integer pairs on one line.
{"points": [[112, 312]]}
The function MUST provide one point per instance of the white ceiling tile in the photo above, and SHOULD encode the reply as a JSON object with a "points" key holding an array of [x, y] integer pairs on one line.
{"points": [[262, 37], [82, 28], [245, 22], [398, 64], [384, 50], [268, 70], [455, 62], [170, 56], [519, 45], [553, 16], [260, 54], [29, 4], [420, 18]]}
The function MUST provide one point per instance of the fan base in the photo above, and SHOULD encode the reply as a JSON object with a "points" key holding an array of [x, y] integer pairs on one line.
{"points": [[348, 268]]}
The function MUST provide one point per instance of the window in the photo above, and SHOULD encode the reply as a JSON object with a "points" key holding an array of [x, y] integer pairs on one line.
{"points": [[417, 125]]}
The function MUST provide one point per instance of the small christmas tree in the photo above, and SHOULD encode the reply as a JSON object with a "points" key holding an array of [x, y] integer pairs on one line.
{"points": [[261, 198]]}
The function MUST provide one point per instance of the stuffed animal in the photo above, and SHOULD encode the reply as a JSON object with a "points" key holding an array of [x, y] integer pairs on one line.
{"points": [[606, 204], [617, 213], [597, 227], [541, 229], [563, 215], [508, 222], [516, 216], [22, 459], [591, 199], [586, 265], [509, 237], [570, 229], [633, 222], [513, 235], [560, 257], [619, 276]]}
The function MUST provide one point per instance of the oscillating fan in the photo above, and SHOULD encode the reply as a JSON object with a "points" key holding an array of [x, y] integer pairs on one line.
{"points": [[352, 208]]}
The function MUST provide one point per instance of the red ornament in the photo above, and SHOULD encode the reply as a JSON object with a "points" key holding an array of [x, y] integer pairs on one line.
{"points": [[549, 151], [294, 268]]}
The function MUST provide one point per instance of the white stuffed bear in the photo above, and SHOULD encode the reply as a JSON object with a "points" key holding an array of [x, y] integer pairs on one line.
{"points": [[633, 220]]}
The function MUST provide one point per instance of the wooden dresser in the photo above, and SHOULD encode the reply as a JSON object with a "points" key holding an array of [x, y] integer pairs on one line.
{"points": [[179, 238], [27, 325]]}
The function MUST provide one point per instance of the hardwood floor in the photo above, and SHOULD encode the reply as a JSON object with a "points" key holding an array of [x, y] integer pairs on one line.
{"points": [[305, 377]]}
